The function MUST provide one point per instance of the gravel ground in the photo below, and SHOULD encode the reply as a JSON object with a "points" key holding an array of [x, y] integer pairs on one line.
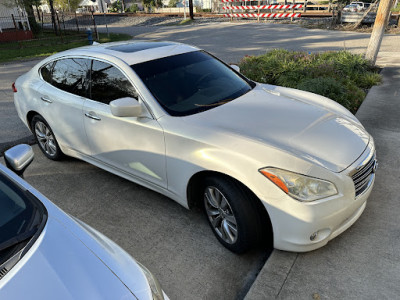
{"points": [[151, 21]]}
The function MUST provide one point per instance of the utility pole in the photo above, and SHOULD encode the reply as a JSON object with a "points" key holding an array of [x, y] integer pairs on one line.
{"points": [[381, 20]]}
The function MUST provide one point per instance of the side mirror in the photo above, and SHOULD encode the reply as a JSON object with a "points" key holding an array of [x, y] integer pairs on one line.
{"points": [[126, 107], [236, 68], [18, 158]]}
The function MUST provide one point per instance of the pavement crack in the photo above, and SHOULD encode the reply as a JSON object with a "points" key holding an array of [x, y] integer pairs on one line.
{"points": [[287, 275]]}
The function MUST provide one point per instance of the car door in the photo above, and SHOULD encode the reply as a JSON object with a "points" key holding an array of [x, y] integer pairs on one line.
{"points": [[63, 95], [132, 145]]}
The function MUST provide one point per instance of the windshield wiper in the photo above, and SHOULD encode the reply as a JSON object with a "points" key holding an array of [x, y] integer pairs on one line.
{"points": [[18, 239], [215, 103]]}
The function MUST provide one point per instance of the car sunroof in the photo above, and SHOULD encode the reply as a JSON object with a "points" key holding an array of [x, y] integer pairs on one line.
{"points": [[135, 47]]}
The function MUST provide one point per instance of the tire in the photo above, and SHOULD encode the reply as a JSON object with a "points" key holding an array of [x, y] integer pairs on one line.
{"points": [[45, 138], [231, 214]]}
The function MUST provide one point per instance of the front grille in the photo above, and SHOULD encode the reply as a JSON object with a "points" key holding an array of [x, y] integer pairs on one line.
{"points": [[362, 178], [3, 272]]}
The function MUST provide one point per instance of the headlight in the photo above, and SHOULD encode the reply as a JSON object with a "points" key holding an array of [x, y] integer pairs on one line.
{"points": [[300, 187], [155, 286]]}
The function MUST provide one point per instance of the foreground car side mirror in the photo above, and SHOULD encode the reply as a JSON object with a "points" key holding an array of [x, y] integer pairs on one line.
{"points": [[126, 107], [236, 68], [18, 158]]}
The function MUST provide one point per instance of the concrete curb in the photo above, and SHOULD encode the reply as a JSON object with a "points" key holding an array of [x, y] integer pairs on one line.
{"points": [[272, 276]]}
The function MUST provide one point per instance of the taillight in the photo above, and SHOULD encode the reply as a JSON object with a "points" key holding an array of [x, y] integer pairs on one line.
{"points": [[14, 88]]}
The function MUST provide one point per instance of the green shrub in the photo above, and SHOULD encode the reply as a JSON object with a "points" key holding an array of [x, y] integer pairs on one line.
{"points": [[173, 3], [341, 76], [396, 9], [133, 8], [202, 10], [366, 80], [325, 86], [116, 7]]}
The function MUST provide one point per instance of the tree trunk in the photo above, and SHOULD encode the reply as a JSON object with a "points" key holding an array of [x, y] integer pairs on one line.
{"points": [[31, 18], [53, 17], [191, 9], [38, 13], [382, 18]]}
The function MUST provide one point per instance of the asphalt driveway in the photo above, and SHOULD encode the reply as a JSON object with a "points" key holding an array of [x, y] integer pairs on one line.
{"points": [[176, 244]]}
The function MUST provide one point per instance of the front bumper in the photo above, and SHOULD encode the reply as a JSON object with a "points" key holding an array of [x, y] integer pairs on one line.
{"points": [[305, 226]]}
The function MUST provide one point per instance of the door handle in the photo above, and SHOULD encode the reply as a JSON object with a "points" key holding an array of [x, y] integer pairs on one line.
{"points": [[45, 99], [94, 117]]}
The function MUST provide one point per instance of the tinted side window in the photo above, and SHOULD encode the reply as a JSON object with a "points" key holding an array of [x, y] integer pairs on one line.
{"points": [[71, 75], [46, 72], [108, 83]]}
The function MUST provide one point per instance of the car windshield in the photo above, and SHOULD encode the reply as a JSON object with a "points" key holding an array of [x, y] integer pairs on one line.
{"points": [[19, 218], [192, 82]]}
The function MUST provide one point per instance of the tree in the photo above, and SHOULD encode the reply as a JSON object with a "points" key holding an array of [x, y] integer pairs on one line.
{"points": [[148, 4], [381, 20], [191, 9], [67, 5], [53, 16], [116, 6], [37, 3], [173, 3]]}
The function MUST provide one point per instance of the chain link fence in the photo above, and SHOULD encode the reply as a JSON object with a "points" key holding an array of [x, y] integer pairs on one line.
{"points": [[67, 23]]}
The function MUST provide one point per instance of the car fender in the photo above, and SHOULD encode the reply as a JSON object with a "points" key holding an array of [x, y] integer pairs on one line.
{"points": [[187, 156]]}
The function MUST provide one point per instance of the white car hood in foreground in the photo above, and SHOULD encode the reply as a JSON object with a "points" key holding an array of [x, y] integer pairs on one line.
{"points": [[318, 132], [59, 266]]}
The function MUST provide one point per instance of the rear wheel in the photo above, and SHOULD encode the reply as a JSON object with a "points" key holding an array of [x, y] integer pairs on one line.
{"points": [[45, 138], [231, 214]]}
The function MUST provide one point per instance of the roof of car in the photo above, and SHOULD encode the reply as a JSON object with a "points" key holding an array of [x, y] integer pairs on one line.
{"points": [[132, 52]]}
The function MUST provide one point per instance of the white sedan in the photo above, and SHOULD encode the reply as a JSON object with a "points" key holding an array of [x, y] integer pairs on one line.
{"points": [[46, 254], [267, 163]]}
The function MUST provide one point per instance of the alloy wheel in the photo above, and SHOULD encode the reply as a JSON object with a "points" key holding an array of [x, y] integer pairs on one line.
{"points": [[45, 138], [220, 215]]}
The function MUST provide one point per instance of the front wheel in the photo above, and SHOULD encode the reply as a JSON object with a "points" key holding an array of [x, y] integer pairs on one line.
{"points": [[45, 138], [231, 214]]}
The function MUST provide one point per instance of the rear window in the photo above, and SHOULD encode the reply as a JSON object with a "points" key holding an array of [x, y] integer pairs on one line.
{"points": [[46, 72], [72, 75]]}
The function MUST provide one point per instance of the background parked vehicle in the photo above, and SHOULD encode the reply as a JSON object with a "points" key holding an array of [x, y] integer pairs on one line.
{"points": [[356, 6], [351, 8], [50, 255]]}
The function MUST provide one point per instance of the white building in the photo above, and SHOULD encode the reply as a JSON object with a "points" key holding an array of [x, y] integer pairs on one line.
{"points": [[96, 6], [13, 16], [203, 4]]}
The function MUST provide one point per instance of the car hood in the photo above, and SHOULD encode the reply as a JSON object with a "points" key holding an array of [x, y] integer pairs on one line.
{"points": [[318, 132], [60, 266]]}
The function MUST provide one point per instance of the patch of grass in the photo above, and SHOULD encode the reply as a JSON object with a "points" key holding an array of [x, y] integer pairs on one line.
{"points": [[47, 43], [186, 22], [340, 76], [396, 9]]}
